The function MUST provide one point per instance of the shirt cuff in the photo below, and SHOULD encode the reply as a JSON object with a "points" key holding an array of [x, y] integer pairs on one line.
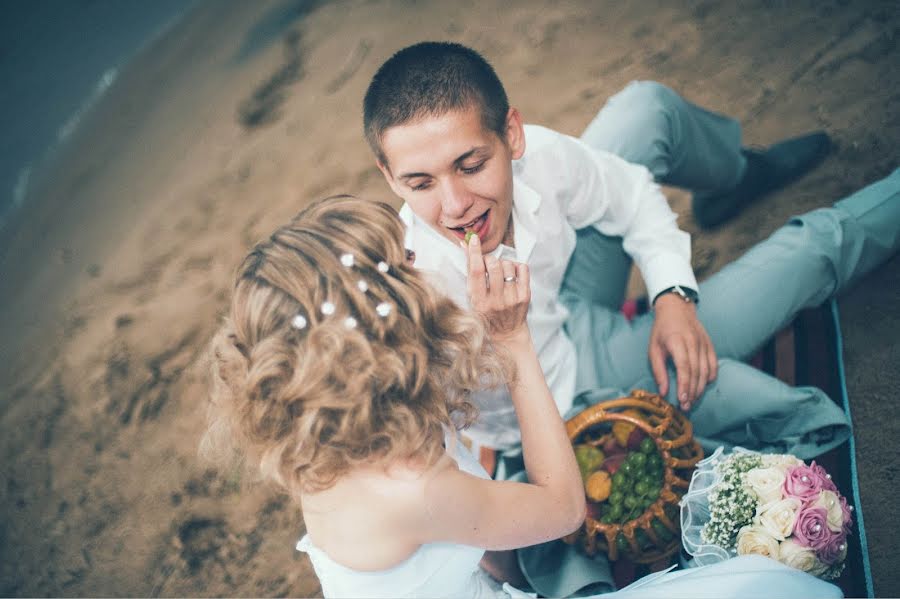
{"points": [[666, 271]]}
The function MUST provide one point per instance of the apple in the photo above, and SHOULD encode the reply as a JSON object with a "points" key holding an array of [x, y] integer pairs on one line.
{"points": [[634, 439]]}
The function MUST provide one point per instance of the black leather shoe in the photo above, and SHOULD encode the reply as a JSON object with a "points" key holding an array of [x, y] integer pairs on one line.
{"points": [[766, 171]]}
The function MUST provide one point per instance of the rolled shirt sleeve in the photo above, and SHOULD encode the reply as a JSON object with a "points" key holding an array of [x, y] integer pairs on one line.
{"points": [[621, 199]]}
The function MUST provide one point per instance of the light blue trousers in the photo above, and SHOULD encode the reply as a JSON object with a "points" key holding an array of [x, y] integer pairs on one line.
{"points": [[803, 264], [812, 258]]}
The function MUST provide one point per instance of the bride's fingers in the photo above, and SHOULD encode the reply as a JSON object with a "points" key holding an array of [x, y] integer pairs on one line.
{"points": [[510, 282], [494, 277], [476, 280], [523, 283]]}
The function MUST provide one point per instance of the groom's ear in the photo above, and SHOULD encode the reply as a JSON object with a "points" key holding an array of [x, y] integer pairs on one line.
{"points": [[515, 134], [386, 171]]}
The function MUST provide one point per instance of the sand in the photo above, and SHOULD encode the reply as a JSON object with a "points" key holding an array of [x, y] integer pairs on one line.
{"points": [[119, 269]]}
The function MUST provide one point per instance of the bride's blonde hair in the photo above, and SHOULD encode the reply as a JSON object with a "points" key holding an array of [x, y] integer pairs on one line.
{"points": [[308, 392]]}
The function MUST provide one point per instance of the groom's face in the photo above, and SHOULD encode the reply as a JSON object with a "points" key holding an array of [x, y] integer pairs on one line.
{"points": [[455, 173]]}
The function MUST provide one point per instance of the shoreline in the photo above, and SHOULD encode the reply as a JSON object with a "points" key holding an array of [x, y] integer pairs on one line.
{"points": [[141, 29]]}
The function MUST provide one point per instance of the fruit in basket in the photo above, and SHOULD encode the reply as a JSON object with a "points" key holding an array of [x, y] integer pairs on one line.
{"points": [[647, 465], [589, 459], [627, 483], [626, 433], [598, 486], [612, 463]]}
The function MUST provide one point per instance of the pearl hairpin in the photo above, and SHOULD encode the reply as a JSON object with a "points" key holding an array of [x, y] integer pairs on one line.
{"points": [[327, 308], [347, 260], [298, 322], [383, 309]]}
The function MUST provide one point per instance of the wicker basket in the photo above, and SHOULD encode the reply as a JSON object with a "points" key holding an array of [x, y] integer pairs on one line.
{"points": [[672, 433]]}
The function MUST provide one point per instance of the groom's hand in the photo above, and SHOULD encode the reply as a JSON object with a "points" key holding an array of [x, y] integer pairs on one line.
{"points": [[678, 334]]}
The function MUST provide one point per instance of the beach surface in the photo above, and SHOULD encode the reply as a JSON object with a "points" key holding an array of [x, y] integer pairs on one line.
{"points": [[117, 270]]}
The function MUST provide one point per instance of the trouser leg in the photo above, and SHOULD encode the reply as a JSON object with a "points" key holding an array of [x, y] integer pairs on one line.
{"points": [[680, 143], [812, 258], [598, 270]]}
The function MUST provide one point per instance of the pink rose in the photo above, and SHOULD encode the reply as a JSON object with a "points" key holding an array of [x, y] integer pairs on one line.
{"points": [[827, 483], [834, 551], [803, 482], [848, 515], [811, 528]]}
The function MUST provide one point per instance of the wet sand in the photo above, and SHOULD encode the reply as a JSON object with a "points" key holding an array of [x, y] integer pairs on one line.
{"points": [[120, 266]]}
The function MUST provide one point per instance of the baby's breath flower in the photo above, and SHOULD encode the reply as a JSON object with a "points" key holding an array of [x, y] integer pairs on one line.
{"points": [[733, 504]]}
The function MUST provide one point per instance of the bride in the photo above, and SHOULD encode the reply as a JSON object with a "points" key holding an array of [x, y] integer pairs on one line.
{"points": [[345, 377]]}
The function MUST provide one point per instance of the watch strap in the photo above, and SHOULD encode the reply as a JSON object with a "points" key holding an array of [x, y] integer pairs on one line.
{"points": [[686, 293]]}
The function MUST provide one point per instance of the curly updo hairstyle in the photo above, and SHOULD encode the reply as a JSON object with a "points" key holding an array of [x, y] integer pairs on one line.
{"points": [[309, 404]]}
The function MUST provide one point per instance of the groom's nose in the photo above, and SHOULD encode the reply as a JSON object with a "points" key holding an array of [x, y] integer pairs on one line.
{"points": [[455, 198]]}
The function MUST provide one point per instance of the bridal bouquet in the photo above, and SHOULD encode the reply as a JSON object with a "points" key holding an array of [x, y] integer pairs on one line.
{"points": [[771, 505]]}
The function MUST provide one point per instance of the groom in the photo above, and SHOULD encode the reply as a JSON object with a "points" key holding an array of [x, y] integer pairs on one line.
{"points": [[579, 210]]}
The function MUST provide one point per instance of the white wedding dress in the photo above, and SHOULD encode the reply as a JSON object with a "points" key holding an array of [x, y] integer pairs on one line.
{"points": [[451, 570]]}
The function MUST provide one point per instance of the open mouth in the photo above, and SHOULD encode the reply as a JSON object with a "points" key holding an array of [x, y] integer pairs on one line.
{"points": [[479, 226]]}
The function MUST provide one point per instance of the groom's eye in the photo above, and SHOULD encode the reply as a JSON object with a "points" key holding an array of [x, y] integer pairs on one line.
{"points": [[471, 170]]}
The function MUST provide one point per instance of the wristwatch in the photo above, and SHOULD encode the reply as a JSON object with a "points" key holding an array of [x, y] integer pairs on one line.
{"points": [[686, 293]]}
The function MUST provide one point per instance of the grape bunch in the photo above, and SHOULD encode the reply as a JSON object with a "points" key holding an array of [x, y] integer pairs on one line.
{"points": [[636, 484]]}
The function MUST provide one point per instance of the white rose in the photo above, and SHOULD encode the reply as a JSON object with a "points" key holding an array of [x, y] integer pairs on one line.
{"points": [[778, 517], [802, 558], [766, 483], [755, 540], [781, 461], [829, 500]]}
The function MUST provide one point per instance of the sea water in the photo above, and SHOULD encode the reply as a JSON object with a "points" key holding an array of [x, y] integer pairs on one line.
{"points": [[57, 58]]}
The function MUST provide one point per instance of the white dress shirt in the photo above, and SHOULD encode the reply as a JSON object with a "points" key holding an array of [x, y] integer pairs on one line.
{"points": [[560, 185]]}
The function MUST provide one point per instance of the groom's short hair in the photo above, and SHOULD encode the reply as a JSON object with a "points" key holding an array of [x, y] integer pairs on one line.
{"points": [[431, 79]]}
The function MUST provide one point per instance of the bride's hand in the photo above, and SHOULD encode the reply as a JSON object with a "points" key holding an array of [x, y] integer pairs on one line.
{"points": [[499, 290]]}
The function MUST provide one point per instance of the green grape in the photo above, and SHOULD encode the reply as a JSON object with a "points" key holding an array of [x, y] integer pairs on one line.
{"points": [[616, 497], [627, 468], [630, 501], [615, 511], [619, 479], [648, 446], [607, 519], [638, 460], [653, 493], [641, 487]]}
